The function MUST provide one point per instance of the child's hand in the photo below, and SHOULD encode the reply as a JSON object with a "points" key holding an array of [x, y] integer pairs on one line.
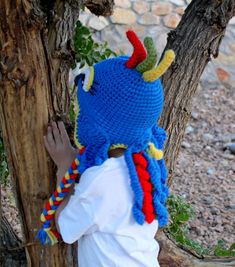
{"points": [[59, 147]]}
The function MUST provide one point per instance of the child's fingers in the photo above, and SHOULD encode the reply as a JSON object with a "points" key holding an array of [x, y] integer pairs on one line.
{"points": [[48, 147], [56, 133], [50, 137], [63, 132]]}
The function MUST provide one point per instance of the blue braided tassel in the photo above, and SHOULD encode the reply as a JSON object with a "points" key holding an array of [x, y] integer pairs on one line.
{"points": [[136, 187]]}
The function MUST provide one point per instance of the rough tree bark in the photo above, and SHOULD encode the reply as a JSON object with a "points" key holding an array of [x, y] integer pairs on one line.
{"points": [[195, 41], [34, 59], [11, 252]]}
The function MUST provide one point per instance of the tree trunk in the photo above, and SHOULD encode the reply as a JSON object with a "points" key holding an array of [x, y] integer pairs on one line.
{"points": [[172, 255], [35, 57], [11, 252], [195, 41], [29, 98]]}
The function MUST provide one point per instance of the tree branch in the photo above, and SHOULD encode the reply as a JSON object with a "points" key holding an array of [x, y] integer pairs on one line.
{"points": [[100, 7]]}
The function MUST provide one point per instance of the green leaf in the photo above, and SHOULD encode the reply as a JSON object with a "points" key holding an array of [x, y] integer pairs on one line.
{"points": [[82, 64], [232, 247], [180, 238], [86, 49], [183, 217]]}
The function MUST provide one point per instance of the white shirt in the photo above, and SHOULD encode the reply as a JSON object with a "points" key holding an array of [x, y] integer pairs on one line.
{"points": [[99, 216]]}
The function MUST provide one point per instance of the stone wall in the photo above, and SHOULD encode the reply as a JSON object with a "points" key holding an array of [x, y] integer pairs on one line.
{"points": [[156, 19]]}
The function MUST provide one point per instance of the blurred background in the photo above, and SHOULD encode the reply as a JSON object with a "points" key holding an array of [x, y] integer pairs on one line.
{"points": [[205, 171]]}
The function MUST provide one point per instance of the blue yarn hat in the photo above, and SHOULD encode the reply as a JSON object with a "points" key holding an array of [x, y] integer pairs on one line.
{"points": [[119, 102]]}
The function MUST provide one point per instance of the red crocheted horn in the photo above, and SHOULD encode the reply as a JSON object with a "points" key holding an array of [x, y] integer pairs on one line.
{"points": [[139, 54]]}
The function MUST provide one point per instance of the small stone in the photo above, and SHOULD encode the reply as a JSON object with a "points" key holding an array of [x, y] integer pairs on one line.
{"points": [[83, 17], [98, 23], [172, 20], [189, 129], [229, 156], [215, 211], [185, 144], [138, 29], [141, 7], [210, 171], [224, 163], [123, 3], [219, 229], [208, 137], [227, 138], [207, 200], [194, 115], [149, 19], [178, 2], [233, 168], [180, 10], [230, 147], [222, 74], [162, 8], [123, 16], [232, 206], [225, 57]]}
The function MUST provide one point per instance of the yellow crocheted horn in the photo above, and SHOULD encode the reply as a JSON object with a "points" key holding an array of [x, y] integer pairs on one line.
{"points": [[154, 74]]}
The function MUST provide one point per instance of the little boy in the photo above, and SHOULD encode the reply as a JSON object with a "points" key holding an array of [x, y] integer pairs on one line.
{"points": [[115, 209]]}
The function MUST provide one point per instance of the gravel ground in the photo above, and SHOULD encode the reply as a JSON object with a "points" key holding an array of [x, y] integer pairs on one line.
{"points": [[205, 168]]}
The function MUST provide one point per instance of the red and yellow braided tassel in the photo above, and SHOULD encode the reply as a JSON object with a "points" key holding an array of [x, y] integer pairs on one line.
{"points": [[47, 235]]}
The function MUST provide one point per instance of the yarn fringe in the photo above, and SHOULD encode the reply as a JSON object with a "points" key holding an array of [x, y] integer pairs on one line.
{"points": [[48, 236]]}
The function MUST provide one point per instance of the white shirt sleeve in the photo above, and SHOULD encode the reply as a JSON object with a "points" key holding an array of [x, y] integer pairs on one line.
{"points": [[78, 216]]}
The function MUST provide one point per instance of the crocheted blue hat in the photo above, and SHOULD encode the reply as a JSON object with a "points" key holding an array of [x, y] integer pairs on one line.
{"points": [[119, 102]]}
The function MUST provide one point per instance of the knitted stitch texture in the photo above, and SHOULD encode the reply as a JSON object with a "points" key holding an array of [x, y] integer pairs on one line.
{"points": [[119, 101], [123, 109]]}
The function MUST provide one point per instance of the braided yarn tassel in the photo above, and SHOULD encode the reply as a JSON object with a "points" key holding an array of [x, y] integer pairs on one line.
{"points": [[47, 235], [137, 189], [148, 181], [141, 165]]}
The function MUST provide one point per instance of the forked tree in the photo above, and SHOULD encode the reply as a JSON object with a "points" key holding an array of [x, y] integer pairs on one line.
{"points": [[36, 52]]}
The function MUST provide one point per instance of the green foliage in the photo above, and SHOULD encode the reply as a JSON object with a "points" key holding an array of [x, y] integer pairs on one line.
{"points": [[220, 249], [179, 209], [180, 213], [3, 164], [87, 50]]}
